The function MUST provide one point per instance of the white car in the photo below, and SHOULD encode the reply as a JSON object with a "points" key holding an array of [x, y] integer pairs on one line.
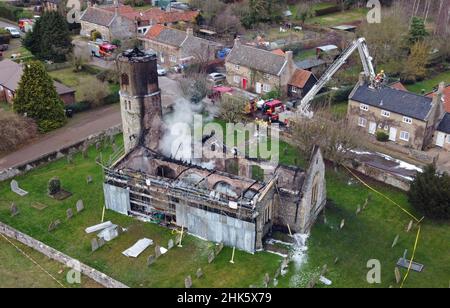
{"points": [[217, 77], [13, 31], [161, 71]]}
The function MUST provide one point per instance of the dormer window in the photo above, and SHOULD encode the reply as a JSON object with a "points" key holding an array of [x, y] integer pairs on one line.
{"points": [[385, 113], [407, 120], [364, 107]]}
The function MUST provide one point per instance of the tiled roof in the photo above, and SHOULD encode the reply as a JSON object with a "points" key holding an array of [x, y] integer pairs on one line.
{"points": [[309, 63], [444, 126], [154, 31], [300, 78], [279, 52], [11, 73], [98, 16], [397, 101], [257, 59]]}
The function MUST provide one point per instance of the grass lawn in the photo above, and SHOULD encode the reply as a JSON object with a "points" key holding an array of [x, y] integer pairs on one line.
{"points": [[16, 270], [429, 84], [340, 109], [336, 19], [306, 54], [70, 238]]}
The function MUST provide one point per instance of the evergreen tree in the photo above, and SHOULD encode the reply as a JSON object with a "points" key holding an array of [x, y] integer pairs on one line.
{"points": [[36, 97], [430, 194], [50, 38], [418, 31]]}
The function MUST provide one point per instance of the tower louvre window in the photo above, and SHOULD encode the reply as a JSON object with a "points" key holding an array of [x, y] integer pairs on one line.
{"points": [[124, 80]]}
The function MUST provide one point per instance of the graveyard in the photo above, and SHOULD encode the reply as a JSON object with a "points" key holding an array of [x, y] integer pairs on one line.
{"points": [[372, 226]]}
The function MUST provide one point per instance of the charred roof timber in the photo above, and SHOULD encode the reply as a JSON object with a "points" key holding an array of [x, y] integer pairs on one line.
{"points": [[136, 55]]}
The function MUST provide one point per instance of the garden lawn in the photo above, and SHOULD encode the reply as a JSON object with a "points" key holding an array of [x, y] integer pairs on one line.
{"points": [[429, 84], [70, 238], [17, 270], [339, 18]]}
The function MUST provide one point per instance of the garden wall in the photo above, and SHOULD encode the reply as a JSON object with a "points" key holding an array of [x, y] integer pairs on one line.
{"points": [[58, 256], [55, 155]]}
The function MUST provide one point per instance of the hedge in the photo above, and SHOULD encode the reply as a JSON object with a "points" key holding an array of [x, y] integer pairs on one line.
{"points": [[327, 10]]}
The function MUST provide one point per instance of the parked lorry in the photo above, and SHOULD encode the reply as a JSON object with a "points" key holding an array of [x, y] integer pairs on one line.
{"points": [[101, 49]]}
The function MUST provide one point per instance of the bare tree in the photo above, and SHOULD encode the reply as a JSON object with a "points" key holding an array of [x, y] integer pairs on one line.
{"points": [[232, 109], [15, 130], [194, 86]]}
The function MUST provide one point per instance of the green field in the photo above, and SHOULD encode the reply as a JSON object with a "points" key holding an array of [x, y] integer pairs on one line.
{"points": [[429, 84], [366, 236], [339, 18]]}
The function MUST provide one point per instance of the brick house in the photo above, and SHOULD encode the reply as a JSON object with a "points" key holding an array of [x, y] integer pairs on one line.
{"points": [[258, 70], [409, 119], [301, 82], [174, 47], [10, 75]]}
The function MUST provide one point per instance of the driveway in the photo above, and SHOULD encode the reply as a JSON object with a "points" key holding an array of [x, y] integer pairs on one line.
{"points": [[80, 127]]}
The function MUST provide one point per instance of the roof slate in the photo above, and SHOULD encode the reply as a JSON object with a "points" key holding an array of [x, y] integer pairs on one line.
{"points": [[444, 125]]}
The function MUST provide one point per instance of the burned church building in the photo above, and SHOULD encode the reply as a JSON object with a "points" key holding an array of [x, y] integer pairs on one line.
{"points": [[212, 203]]}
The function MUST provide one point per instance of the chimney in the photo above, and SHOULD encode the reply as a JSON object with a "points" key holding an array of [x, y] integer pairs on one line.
{"points": [[438, 97], [190, 31], [289, 55]]}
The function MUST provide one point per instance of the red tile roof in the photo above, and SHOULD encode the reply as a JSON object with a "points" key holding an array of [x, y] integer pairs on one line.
{"points": [[154, 31], [278, 52], [300, 78]]}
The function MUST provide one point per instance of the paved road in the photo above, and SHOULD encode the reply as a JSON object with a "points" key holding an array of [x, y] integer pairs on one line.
{"points": [[79, 127], [3, 24]]}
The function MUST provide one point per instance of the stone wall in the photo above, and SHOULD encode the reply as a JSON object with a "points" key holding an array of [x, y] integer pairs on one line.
{"points": [[55, 155], [58, 256]]}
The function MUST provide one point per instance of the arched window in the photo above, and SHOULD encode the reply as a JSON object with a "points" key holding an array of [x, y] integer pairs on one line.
{"points": [[165, 172], [124, 79]]}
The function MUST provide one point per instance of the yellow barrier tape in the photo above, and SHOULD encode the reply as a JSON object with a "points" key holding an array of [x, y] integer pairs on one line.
{"points": [[404, 210], [33, 261]]}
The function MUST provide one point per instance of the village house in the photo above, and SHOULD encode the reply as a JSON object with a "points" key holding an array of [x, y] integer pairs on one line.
{"points": [[174, 47], [409, 119], [123, 21], [217, 204], [301, 82], [259, 70], [442, 135], [10, 75]]}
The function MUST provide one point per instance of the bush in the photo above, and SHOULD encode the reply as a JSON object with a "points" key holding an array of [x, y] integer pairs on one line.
{"points": [[382, 136], [15, 130], [93, 92], [430, 194], [96, 35], [110, 76], [10, 12], [116, 42], [274, 94]]}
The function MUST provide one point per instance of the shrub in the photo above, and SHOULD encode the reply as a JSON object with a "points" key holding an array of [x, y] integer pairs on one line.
{"points": [[430, 194], [96, 35], [382, 136], [116, 42], [274, 94], [15, 130], [93, 92]]}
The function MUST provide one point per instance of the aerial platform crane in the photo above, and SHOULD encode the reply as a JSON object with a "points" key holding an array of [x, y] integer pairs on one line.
{"points": [[360, 44]]}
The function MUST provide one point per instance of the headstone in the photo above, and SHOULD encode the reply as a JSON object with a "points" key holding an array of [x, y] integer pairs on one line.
{"points": [[69, 213], [398, 276], [170, 244], [342, 224], [394, 243], [94, 244], [199, 273], [219, 249], [151, 259], [188, 282], [366, 203], [80, 206], [336, 260], [409, 227], [157, 251], [84, 151], [89, 179], [358, 209], [54, 225], [324, 270], [211, 257], [266, 280], [69, 158], [325, 221], [14, 210], [101, 242]]}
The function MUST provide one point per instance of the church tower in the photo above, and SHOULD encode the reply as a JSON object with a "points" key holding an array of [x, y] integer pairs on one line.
{"points": [[140, 99]]}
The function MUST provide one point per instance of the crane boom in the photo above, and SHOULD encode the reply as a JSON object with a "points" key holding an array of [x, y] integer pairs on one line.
{"points": [[366, 60]]}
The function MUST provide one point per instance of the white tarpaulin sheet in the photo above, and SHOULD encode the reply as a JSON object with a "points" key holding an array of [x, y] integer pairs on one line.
{"points": [[135, 250], [99, 227]]}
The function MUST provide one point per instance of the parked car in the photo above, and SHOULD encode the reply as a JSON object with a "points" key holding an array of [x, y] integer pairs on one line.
{"points": [[4, 47], [216, 78], [13, 32], [161, 71]]}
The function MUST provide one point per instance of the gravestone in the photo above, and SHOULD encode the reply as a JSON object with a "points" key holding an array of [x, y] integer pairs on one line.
{"points": [[101, 242], [324, 270], [409, 227], [14, 210], [366, 203], [157, 251], [69, 158], [188, 282], [89, 179], [170, 244], [80, 206], [54, 225], [342, 224], [325, 221], [394, 243], [151, 259], [211, 257], [336, 260], [16, 189], [398, 276], [219, 249], [266, 280], [358, 209], [199, 273], [69, 213], [94, 244]]}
